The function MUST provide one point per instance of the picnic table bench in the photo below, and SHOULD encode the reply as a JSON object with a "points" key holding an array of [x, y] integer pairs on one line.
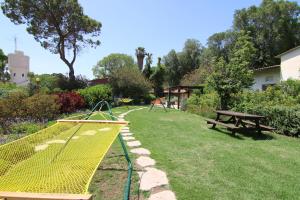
{"points": [[239, 121]]}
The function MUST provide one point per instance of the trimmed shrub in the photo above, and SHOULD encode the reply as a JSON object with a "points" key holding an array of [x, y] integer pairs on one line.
{"points": [[12, 108], [42, 107], [92, 95], [129, 82], [70, 102]]}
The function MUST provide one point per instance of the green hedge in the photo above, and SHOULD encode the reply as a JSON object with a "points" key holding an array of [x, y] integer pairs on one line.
{"points": [[92, 95], [286, 119], [280, 104]]}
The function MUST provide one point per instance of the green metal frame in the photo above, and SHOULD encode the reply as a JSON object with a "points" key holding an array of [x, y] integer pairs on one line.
{"points": [[126, 194]]}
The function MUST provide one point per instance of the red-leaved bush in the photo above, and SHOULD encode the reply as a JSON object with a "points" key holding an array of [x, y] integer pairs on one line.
{"points": [[70, 102]]}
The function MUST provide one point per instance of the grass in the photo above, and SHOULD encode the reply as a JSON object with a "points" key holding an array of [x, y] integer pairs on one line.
{"points": [[202, 163], [110, 178]]}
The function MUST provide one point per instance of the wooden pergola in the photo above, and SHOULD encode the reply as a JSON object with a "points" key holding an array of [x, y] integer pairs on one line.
{"points": [[179, 90]]}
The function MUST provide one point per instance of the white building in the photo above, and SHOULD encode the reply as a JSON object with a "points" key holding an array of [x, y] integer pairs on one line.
{"points": [[289, 68], [18, 66], [264, 77]]}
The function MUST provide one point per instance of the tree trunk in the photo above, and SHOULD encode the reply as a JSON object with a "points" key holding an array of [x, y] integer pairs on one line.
{"points": [[71, 73], [140, 60]]}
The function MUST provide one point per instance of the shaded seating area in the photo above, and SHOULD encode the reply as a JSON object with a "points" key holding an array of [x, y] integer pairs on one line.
{"points": [[180, 92]]}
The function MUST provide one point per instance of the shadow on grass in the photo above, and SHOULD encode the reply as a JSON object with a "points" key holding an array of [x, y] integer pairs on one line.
{"points": [[116, 169], [246, 133]]}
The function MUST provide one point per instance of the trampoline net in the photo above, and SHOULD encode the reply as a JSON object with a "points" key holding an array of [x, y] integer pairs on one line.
{"points": [[58, 159]]}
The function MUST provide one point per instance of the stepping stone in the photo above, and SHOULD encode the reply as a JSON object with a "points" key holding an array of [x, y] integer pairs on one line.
{"points": [[140, 173], [126, 138], [140, 151], [135, 143], [126, 134], [125, 131], [125, 128], [164, 195], [153, 178], [145, 161]]}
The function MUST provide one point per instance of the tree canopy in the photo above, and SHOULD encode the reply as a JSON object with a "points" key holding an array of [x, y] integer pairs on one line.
{"points": [[113, 61], [4, 75], [157, 79], [231, 77], [274, 27], [58, 25]]}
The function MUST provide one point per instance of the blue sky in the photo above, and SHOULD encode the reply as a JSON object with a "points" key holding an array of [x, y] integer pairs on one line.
{"points": [[157, 25]]}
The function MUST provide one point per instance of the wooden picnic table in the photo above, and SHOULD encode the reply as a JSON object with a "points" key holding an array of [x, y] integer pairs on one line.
{"points": [[238, 121]]}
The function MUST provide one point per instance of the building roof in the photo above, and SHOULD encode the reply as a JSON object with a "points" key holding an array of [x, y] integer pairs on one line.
{"points": [[266, 68], [288, 51], [99, 81]]}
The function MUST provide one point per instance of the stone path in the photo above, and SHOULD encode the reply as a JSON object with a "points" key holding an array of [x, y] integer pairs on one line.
{"points": [[151, 178]]}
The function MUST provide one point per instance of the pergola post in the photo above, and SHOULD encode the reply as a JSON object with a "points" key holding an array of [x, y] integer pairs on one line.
{"points": [[178, 103], [169, 98]]}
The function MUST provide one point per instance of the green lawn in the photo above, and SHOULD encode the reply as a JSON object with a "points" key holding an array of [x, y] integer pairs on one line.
{"points": [[202, 163]]}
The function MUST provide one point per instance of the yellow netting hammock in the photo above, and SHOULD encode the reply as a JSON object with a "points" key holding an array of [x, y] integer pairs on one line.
{"points": [[60, 159]]}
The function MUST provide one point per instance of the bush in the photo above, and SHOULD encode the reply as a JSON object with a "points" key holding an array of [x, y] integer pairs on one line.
{"points": [[42, 107], [148, 98], [203, 104], [280, 104], [8, 88], [12, 108], [26, 128], [53, 83], [129, 82], [92, 95], [70, 102]]}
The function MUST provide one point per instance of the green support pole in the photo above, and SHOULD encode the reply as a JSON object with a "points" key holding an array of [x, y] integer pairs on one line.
{"points": [[127, 187]]}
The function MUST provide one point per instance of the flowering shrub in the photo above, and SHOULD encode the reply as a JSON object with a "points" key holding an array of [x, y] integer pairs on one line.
{"points": [[70, 102]]}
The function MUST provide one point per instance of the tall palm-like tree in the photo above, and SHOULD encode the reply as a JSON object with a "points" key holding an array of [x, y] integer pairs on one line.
{"points": [[147, 69], [140, 53]]}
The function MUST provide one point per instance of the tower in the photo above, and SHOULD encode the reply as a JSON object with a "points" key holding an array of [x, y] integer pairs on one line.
{"points": [[18, 66]]}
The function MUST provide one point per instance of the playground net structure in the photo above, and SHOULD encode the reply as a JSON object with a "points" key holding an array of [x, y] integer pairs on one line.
{"points": [[60, 159]]}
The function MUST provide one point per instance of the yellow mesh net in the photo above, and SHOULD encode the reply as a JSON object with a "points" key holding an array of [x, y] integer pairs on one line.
{"points": [[58, 159]]}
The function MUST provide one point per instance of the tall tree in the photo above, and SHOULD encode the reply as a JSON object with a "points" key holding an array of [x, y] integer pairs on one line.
{"points": [[190, 56], [140, 53], [230, 78], [4, 75], [58, 25], [157, 79], [172, 64], [147, 69], [221, 44], [113, 61], [274, 27]]}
